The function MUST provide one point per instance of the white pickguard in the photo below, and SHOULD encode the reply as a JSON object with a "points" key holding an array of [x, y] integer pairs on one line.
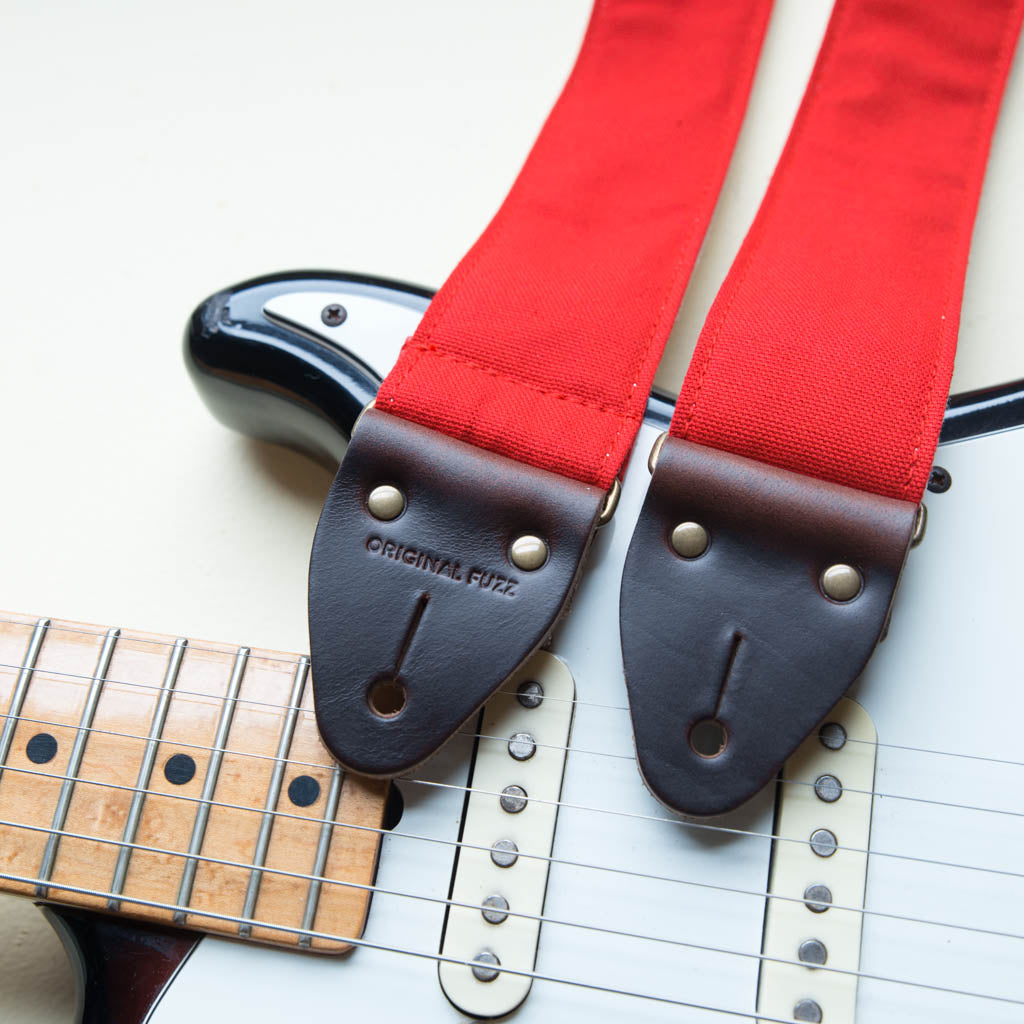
{"points": [[948, 677]]}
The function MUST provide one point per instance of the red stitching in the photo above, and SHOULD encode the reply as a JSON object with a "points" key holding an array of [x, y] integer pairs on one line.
{"points": [[767, 207], [501, 375], [684, 266], [450, 290]]}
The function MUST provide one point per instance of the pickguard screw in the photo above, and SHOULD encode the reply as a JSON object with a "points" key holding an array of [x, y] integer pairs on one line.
{"points": [[940, 481], [334, 314]]}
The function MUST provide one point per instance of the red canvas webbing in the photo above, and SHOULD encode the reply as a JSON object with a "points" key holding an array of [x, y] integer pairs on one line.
{"points": [[543, 343], [829, 349]]}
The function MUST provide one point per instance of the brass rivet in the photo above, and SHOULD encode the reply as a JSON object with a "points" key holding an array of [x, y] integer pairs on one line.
{"points": [[611, 503], [528, 552], [386, 502], [362, 412], [841, 582], [659, 443], [920, 525], [690, 540]]}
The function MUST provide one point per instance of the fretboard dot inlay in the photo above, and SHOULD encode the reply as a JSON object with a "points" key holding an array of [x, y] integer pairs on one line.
{"points": [[179, 769], [303, 790], [41, 748], [101, 776]]}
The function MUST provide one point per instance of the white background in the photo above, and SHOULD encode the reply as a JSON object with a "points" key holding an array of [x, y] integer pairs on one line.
{"points": [[152, 154]]}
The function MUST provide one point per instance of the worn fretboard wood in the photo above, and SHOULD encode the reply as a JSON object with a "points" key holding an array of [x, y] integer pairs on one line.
{"points": [[119, 753]]}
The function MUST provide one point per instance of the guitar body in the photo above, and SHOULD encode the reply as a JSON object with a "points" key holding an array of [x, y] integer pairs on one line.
{"points": [[946, 680], [122, 968]]}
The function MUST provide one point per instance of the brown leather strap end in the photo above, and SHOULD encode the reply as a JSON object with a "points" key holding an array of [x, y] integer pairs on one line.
{"points": [[418, 610], [752, 598]]}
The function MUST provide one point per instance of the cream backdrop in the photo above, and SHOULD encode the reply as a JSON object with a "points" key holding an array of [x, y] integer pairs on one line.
{"points": [[153, 153]]}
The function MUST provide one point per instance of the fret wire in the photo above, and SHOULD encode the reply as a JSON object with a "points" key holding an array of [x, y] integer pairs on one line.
{"points": [[21, 689], [188, 875], [138, 685], [605, 868], [284, 659], [323, 847], [274, 791], [571, 700], [681, 822], [67, 788], [205, 748], [146, 768], [751, 1015], [741, 832], [553, 746], [601, 929]]}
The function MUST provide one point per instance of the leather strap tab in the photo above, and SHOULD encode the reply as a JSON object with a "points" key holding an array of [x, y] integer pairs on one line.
{"points": [[820, 380], [743, 634], [829, 348], [424, 615], [527, 380]]}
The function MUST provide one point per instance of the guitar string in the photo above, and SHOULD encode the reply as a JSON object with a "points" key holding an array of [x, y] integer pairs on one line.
{"points": [[541, 918], [682, 822], [781, 779], [439, 958], [723, 829], [310, 713], [459, 844], [685, 823], [293, 661], [504, 739]]}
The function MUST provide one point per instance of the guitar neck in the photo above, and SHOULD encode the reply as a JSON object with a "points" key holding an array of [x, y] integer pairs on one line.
{"points": [[178, 781]]}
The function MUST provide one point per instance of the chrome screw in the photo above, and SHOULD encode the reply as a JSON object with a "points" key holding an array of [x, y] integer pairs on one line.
{"points": [[334, 315]]}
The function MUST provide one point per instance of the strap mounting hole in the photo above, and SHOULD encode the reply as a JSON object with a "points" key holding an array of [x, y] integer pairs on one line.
{"points": [[386, 697], [708, 738]]}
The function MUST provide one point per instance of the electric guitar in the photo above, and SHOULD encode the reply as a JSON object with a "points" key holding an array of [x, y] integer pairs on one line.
{"points": [[156, 789]]}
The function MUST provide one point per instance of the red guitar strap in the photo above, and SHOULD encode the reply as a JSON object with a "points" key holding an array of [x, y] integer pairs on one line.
{"points": [[454, 533], [761, 572], [543, 343]]}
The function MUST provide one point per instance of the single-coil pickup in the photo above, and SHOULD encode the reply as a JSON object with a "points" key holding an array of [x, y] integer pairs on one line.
{"points": [[818, 874], [507, 837]]}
